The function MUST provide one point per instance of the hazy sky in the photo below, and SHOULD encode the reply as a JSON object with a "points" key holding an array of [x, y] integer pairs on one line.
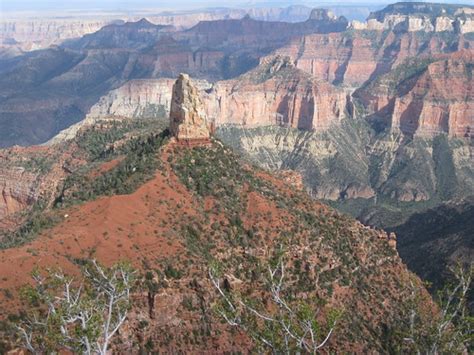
{"points": [[113, 5]]}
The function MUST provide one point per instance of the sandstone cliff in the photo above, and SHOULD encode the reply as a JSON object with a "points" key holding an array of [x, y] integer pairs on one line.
{"points": [[353, 57], [276, 93], [17, 191], [140, 98], [38, 33], [223, 49], [425, 98]]}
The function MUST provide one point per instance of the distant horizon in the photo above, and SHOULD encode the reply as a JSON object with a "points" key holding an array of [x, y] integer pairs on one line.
{"points": [[180, 5]]}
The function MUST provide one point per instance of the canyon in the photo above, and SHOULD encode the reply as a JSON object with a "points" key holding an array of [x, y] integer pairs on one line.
{"points": [[252, 112], [212, 50], [274, 93], [353, 58], [77, 74], [225, 166]]}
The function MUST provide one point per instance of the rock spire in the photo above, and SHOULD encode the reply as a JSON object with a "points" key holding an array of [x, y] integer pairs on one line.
{"points": [[187, 115]]}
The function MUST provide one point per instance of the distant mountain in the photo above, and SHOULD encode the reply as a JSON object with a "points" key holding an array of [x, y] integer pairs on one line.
{"points": [[415, 8], [130, 35], [58, 86]]}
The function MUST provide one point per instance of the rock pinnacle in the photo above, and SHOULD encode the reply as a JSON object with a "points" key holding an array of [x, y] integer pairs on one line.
{"points": [[187, 115]]}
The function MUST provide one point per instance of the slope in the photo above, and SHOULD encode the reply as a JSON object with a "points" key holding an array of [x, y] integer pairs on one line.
{"points": [[204, 204]]}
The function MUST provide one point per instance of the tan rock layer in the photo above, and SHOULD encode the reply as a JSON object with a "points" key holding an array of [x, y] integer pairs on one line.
{"points": [[187, 115]]}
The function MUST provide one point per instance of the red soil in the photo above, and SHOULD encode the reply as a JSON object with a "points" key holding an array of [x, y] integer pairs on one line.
{"points": [[107, 166], [109, 229]]}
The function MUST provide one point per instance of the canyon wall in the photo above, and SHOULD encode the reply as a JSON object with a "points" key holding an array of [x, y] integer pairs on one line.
{"points": [[425, 98], [275, 93], [76, 74], [351, 58], [34, 31], [136, 99], [32, 34], [424, 17], [40, 32]]}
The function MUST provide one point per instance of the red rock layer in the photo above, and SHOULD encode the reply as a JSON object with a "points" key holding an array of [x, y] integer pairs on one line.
{"points": [[276, 93], [438, 99], [442, 100], [236, 45], [352, 58]]}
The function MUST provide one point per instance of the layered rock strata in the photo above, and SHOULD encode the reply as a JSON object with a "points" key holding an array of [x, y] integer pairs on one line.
{"points": [[352, 58], [425, 98], [423, 17], [276, 93]]}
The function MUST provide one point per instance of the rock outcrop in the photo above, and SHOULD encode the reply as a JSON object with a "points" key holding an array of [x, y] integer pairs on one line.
{"points": [[220, 209], [28, 175], [140, 98], [16, 191], [322, 15], [187, 115]]}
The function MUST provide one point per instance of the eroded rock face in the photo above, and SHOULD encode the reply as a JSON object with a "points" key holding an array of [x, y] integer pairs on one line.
{"points": [[437, 98], [16, 187], [32, 34], [322, 15], [136, 99], [42, 31], [352, 58], [187, 115], [276, 93], [28, 175]]}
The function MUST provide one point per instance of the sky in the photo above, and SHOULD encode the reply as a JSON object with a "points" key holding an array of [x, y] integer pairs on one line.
{"points": [[114, 5]]}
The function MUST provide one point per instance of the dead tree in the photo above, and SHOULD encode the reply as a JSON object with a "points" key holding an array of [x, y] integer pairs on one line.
{"points": [[80, 317], [292, 327]]}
